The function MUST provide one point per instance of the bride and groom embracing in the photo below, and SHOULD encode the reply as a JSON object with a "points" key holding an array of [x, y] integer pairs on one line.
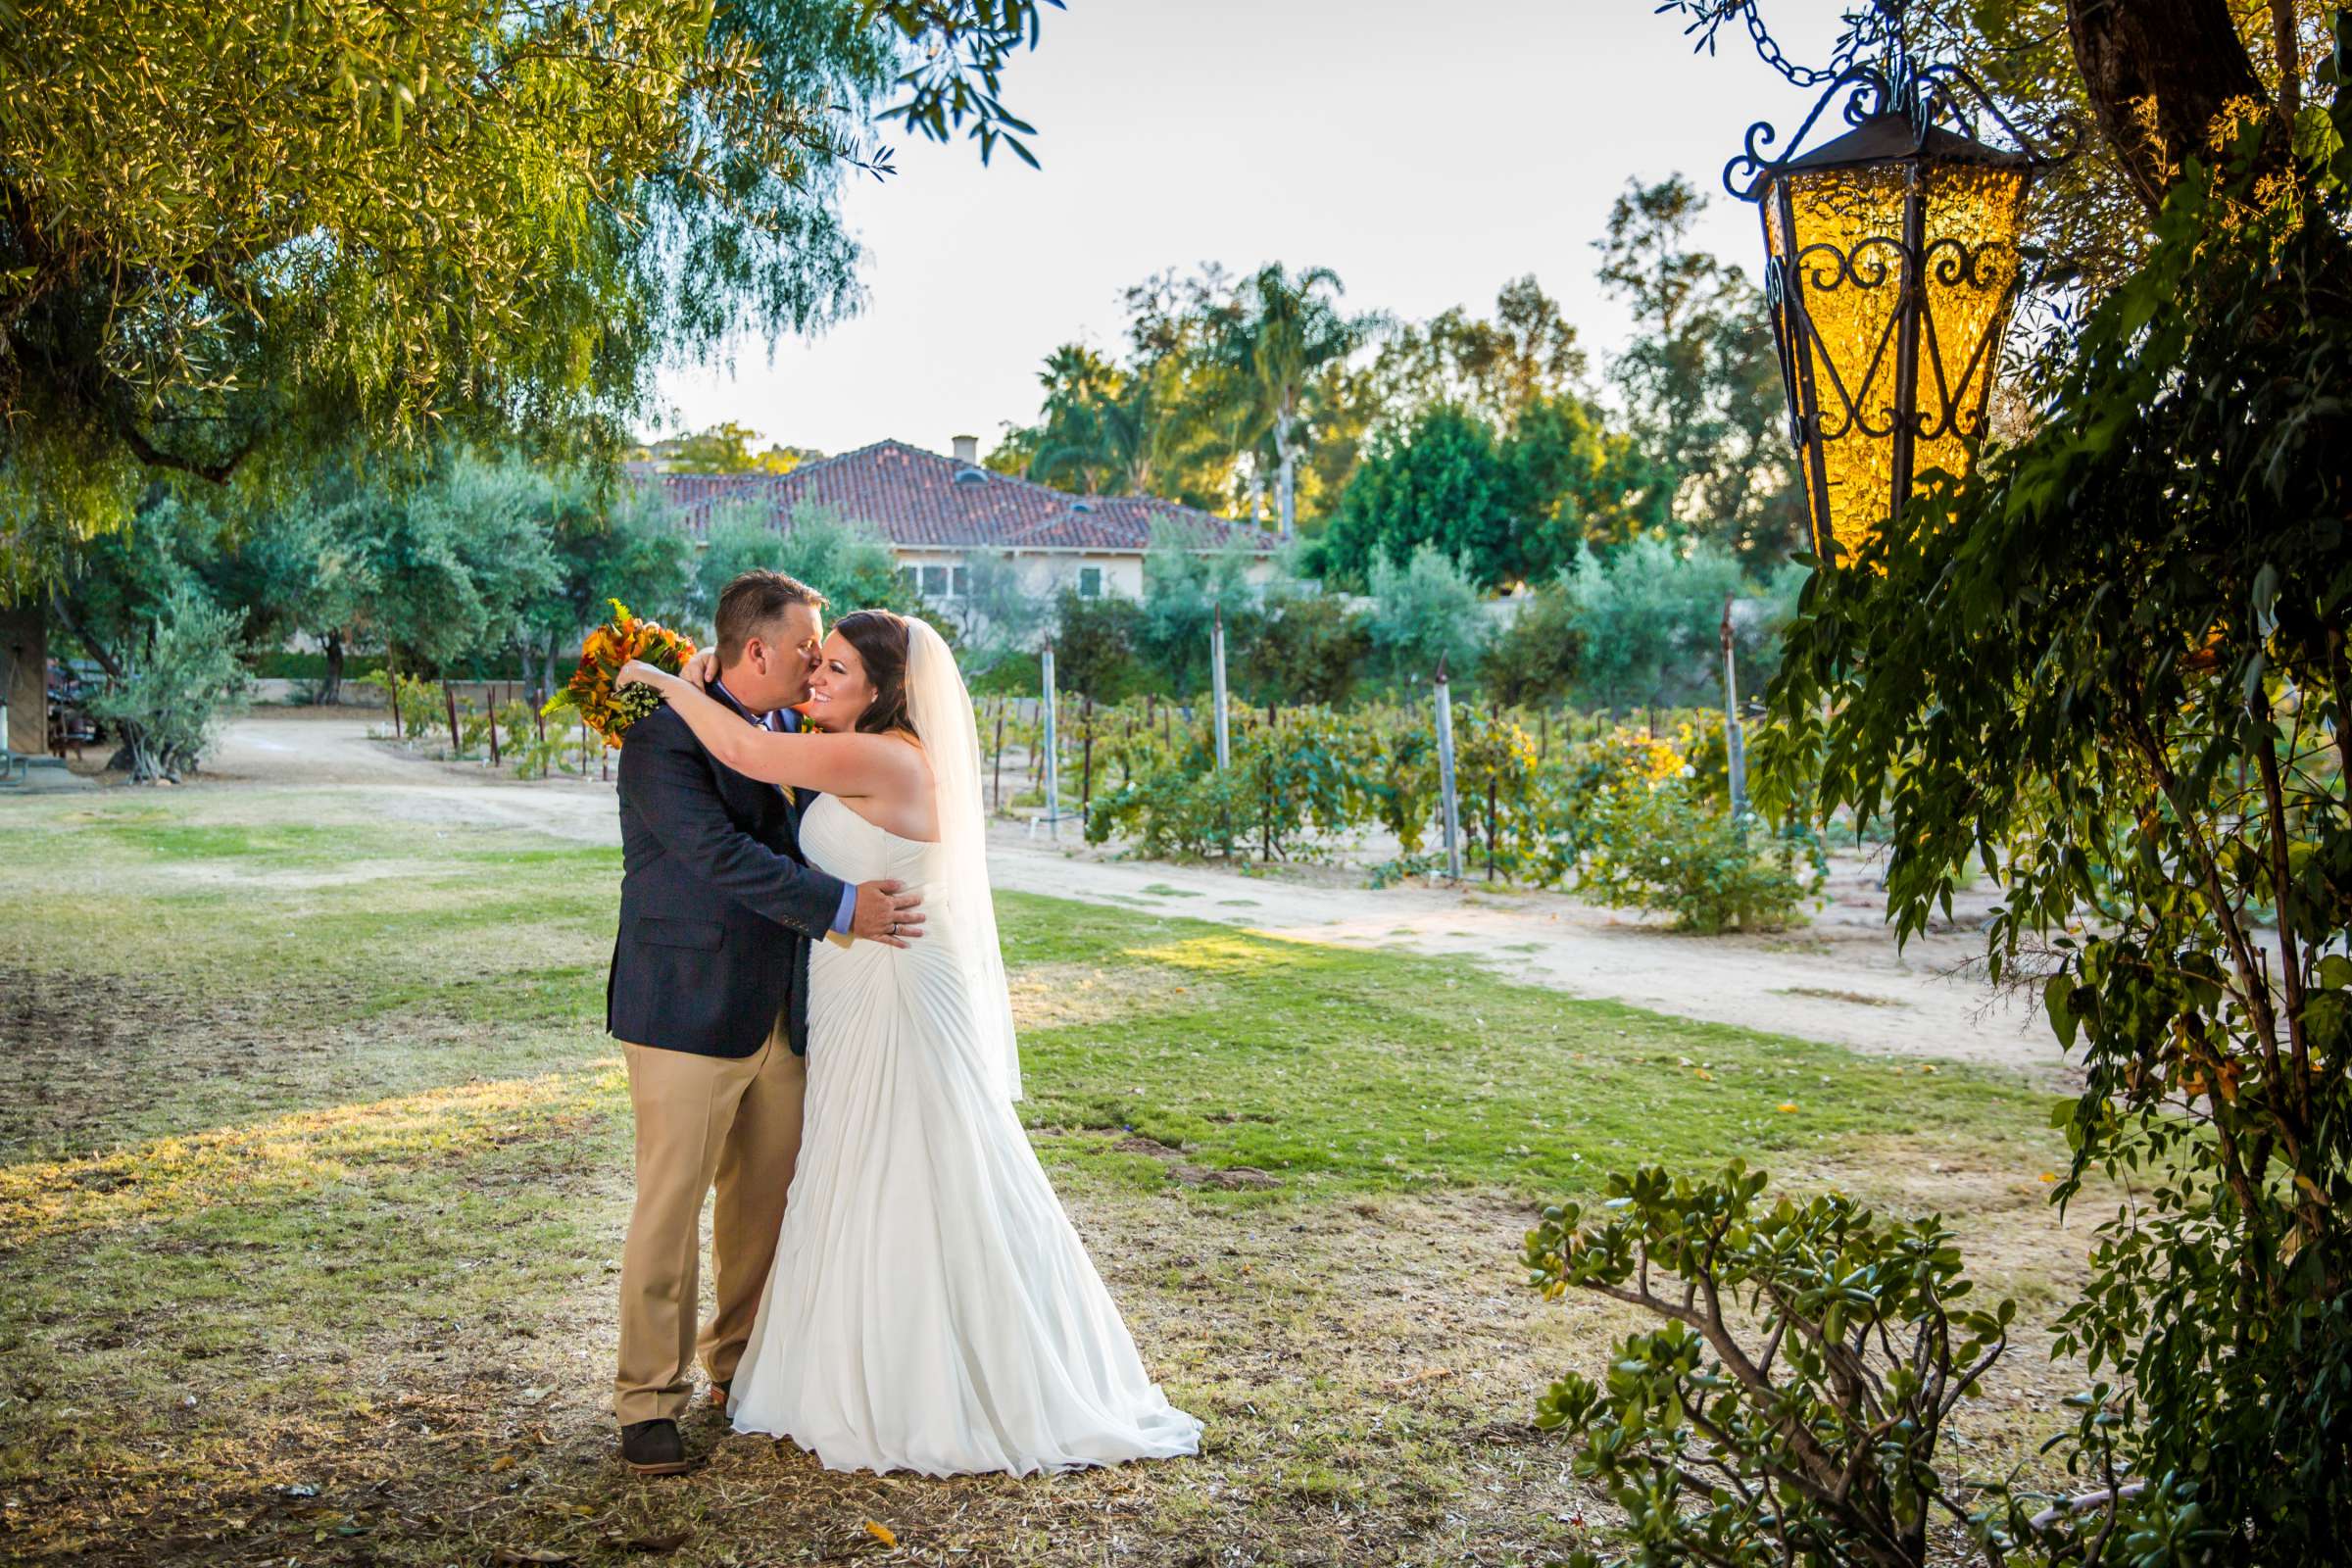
{"points": [[897, 1288]]}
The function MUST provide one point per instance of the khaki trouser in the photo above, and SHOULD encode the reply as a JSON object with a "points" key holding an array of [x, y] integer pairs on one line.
{"points": [[702, 1119]]}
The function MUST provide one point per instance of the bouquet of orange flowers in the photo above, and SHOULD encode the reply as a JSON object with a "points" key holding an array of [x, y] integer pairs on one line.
{"points": [[590, 691]]}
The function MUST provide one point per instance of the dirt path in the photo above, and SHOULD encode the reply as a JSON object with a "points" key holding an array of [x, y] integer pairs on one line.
{"points": [[1840, 980], [311, 749]]}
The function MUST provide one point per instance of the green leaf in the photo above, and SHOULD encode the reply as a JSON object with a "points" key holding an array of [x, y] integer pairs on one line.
{"points": [[2057, 996]]}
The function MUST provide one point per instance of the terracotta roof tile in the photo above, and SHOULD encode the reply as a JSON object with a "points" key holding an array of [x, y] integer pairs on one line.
{"points": [[917, 500]]}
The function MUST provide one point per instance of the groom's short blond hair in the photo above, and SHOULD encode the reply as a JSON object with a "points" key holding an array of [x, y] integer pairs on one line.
{"points": [[752, 601]]}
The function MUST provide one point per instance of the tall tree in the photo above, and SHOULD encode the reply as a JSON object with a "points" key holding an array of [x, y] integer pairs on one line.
{"points": [[1203, 398], [1496, 367], [609, 543], [1512, 507], [232, 228], [1278, 331], [2145, 81], [1439, 482], [1106, 428], [1701, 376], [1575, 483]]}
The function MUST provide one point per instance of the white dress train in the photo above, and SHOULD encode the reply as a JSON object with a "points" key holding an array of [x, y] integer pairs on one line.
{"points": [[931, 1308]]}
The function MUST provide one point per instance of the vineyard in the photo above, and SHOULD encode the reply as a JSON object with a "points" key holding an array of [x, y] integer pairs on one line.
{"points": [[1631, 815], [1636, 818]]}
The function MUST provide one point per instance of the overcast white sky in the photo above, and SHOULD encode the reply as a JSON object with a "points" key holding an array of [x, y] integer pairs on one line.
{"points": [[1425, 151]]}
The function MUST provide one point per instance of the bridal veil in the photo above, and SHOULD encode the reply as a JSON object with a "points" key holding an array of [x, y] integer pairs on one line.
{"points": [[942, 712]]}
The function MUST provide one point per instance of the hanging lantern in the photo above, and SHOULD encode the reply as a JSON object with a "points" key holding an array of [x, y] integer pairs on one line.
{"points": [[1891, 262]]}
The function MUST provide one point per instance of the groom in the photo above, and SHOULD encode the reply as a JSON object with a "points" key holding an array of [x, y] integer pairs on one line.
{"points": [[708, 995]]}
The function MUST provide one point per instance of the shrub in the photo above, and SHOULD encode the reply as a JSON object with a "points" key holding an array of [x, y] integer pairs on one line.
{"points": [[852, 565], [1094, 645], [1305, 768], [1510, 823], [539, 759], [516, 725], [1423, 610], [1404, 785], [1302, 649], [1791, 1409], [179, 690], [1177, 814], [1536, 659], [417, 704], [1656, 847], [1184, 592]]}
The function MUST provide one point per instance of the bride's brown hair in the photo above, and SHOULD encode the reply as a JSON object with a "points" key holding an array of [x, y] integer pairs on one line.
{"points": [[881, 640]]}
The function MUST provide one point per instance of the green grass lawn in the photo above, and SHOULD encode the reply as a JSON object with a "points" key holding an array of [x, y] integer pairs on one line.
{"points": [[315, 1166]]}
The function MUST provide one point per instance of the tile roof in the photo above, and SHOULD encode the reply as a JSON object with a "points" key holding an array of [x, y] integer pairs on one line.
{"points": [[920, 499]]}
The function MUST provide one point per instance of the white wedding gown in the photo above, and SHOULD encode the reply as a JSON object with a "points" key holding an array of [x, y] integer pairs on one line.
{"points": [[931, 1308]]}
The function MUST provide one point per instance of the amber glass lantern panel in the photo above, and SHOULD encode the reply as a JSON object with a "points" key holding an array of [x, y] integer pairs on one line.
{"points": [[1969, 268], [1848, 275]]}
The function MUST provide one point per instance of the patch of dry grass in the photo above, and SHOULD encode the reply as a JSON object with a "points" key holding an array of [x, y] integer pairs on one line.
{"points": [[1056, 996], [297, 1152]]}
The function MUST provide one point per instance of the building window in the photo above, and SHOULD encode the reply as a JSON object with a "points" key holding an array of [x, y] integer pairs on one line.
{"points": [[1090, 582], [962, 582], [915, 578], [935, 582]]}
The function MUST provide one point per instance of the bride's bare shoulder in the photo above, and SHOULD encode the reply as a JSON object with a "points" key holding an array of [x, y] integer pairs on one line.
{"points": [[914, 749], [895, 749]]}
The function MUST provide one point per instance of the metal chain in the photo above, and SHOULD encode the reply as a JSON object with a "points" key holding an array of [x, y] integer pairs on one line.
{"points": [[1770, 52], [1888, 26]]}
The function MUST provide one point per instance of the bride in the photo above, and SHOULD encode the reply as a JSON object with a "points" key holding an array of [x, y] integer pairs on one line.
{"points": [[930, 1307]]}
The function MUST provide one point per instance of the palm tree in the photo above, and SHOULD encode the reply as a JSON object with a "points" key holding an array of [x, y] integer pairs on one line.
{"points": [[1107, 428], [1279, 331], [1074, 447]]}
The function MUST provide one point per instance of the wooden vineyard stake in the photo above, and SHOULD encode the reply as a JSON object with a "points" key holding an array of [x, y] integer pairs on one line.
{"points": [[1086, 766], [1445, 779], [996, 766]]}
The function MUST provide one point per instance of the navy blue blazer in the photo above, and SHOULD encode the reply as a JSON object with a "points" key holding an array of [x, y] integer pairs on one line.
{"points": [[717, 907]]}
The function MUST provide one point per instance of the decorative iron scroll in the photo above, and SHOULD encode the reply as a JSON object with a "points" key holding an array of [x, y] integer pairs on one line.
{"points": [[1925, 95], [1871, 264]]}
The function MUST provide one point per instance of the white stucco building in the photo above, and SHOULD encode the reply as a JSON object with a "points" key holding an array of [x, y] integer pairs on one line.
{"points": [[941, 513]]}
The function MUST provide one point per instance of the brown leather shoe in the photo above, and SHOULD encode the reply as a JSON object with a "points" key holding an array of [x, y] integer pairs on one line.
{"points": [[653, 1448], [719, 1393]]}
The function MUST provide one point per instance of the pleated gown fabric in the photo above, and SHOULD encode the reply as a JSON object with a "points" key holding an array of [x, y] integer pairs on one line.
{"points": [[931, 1308]]}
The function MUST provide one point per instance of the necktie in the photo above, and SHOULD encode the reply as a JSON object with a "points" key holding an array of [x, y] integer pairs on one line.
{"points": [[774, 723]]}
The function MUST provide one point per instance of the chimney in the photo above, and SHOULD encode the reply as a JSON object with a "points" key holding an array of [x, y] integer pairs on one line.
{"points": [[966, 448]]}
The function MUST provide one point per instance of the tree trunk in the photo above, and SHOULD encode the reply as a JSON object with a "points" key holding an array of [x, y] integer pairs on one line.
{"points": [[63, 609], [1286, 476], [2159, 73], [331, 690]]}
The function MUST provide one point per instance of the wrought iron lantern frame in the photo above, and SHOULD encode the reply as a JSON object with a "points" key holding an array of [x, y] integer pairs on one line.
{"points": [[1897, 114]]}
